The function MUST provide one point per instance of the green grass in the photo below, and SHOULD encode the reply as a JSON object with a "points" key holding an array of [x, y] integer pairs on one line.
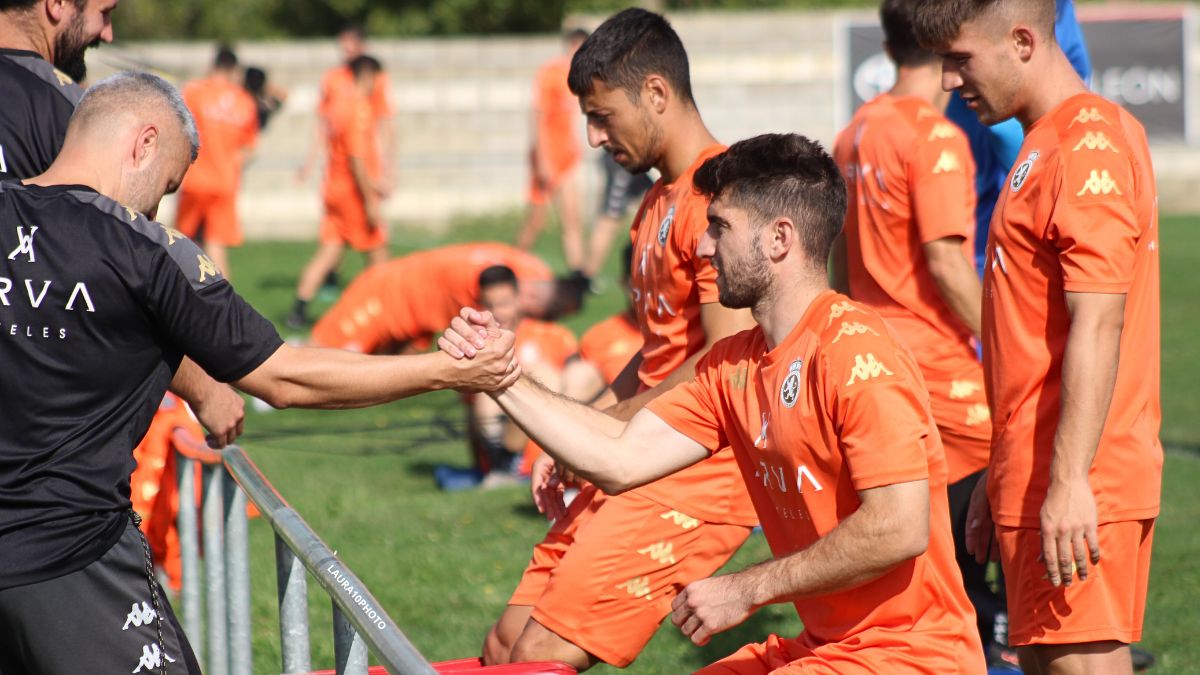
{"points": [[443, 564]]}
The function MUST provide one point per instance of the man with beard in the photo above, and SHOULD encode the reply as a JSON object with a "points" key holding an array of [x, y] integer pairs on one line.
{"points": [[830, 426], [1070, 341], [40, 99], [122, 298], [600, 582]]}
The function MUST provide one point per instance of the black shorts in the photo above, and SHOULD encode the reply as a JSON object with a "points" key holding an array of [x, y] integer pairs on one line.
{"points": [[100, 619], [621, 188]]}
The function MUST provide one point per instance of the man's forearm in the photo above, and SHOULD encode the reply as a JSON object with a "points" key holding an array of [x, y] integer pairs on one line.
{"points": [[1089, 375], [959, 286], [191, 383], [627, 408]]}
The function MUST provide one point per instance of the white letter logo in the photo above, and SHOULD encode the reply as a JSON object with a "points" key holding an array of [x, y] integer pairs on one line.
{"points": [[24, 244]]}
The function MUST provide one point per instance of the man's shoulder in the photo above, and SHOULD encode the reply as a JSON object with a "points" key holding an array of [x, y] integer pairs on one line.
{"points": [[852, 337], [30, 74], [1098, 143]]}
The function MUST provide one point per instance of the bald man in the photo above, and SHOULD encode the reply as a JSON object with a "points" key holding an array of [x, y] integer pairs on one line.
{"points": [[98, 304]]}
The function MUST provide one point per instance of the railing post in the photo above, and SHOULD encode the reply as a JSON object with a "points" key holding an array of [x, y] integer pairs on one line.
{"points": [[212, 506], [293, 610], [189, 550], [349, 650], [237, 576]]}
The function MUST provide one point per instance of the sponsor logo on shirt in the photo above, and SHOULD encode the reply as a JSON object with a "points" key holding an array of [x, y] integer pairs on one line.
{"points": [[664, 228], [852, 328], [1099, 183], [1022, 171], [942, 131], [152, 659], [662, 552], [803, 473], [1088, 115], [790, 391], [978, 414], [761, 441], [866, 368], [1095, 140], [24, 244], [681, 519], [960, 389], [948, 162], [638, 587]]}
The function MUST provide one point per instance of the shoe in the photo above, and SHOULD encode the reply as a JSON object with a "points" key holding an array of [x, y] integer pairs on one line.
{"points": [[1142, 659], [456, 479], [1001, 659], [297, 321]]}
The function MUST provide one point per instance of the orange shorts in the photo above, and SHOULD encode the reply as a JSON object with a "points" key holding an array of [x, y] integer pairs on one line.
{"points": [[345, 222], [604, 577], [562, 169], [877, 650], [1108, 606], [209, 217]]}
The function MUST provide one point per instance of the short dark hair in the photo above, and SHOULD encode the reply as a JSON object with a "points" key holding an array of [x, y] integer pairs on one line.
{"points": [[625, 49], [255, 80], [226, 58], [896, 18], [497, 275], [781, 175], [354, 28], [937, 22], [364, 65]]}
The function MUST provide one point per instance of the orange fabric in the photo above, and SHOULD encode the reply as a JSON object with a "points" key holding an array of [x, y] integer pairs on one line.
{"points": [[338, 83], [611, 344], [351, 135], [557, 113], [345, 221], [1110, 605], [560, 172], [153, 485], [415, 297], [227, 119], [874, 651], [910, 181], [1080, 216], [605, 577], [836, 408], [669, 283], [211, 217], [544, 344]]}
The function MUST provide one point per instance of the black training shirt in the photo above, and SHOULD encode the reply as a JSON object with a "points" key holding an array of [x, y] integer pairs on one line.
{"points": [[38, 100], [98, 305]]}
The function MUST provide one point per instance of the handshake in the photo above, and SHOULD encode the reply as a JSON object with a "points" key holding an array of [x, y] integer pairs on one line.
{"points": [[484, 354]]}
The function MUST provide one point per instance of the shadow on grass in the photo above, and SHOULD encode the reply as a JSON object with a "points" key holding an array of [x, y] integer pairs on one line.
{"points": [[394, 438]]}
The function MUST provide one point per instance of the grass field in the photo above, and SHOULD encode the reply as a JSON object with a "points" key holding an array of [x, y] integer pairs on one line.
{"points": [[444, 564]]}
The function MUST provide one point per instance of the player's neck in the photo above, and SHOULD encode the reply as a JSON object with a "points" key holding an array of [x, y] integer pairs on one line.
{"points": [[786, 303], [77, 168], [686, 138], [20, 30], [923, 82], [1053, 83]]}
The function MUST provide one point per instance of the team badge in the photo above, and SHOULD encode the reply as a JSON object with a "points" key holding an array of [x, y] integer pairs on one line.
{"points": [[790, 391], [1022, 171], [664, 228]]}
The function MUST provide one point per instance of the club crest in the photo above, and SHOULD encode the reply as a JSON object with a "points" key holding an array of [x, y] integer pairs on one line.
{"points": [[664, 228], [789, 393], [1022, 171]]}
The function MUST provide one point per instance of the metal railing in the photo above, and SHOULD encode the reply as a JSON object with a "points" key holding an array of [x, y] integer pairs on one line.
{"points": [[360, 623]]}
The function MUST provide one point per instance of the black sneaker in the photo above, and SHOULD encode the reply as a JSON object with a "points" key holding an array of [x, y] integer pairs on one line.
{"points": [[1142, 659], [297, 321]]}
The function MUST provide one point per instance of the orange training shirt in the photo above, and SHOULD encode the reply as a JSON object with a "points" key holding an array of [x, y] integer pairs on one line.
{"points": [[611, 344], [544, 343], [227, 119], [831, 411], [338, 83], [1080, 216], [557, 112], [351, 135]]}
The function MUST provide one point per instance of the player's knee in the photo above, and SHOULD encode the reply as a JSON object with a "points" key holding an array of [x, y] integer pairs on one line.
{"points": [[538, 643], [496, 651]]}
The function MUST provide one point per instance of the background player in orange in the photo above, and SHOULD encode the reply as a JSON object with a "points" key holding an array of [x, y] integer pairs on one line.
{"points": [[831, 428], [227, 118], [402, 304], [633, 83], [1071, 341], [905, 253], [352, 191], [554, 154]]}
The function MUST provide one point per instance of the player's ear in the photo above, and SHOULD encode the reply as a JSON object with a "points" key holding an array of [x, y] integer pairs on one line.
{"points": [[783, 237], [146, 146], [56, 10], [1024, 40], [656, 92]]}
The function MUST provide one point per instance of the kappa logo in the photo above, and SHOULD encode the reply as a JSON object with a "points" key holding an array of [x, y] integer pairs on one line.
{"points": [[1099, 183], [63, 78], [852, 328], [1022, 171], [661, 552], [839, 310], [172, 234], [789, 391], [866, 368], [978, 414], [132, 214], [948, 162], [1095, 140], [140, 616], [207, 267], [960, 389], [737, 379], [151, 659], [24, 244], [681, 519], [942, 131], [638, 587], [1088, 115], [664, 228]]}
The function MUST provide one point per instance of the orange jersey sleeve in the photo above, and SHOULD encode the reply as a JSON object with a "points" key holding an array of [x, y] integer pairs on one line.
{"points": [[610, 345], [941, 179]]}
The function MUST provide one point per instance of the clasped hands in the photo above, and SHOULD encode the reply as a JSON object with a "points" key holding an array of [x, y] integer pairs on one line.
{"points": [[485, 352]]}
